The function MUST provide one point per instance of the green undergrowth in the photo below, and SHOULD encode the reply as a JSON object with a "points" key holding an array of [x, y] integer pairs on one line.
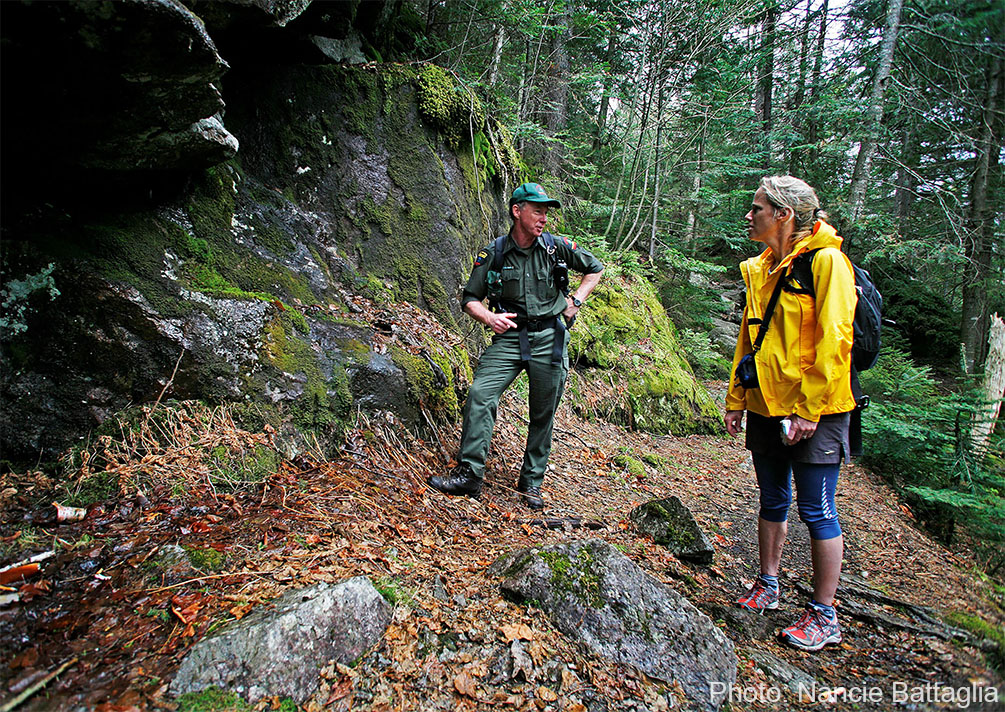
{"points": [[395, 592], [205, 559], [918, 436]]}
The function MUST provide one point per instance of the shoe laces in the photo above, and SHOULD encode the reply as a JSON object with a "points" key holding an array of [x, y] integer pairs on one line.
{"points": [[812, 622], [760, 593]]}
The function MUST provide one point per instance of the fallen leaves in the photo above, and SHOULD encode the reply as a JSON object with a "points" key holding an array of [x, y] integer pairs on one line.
{"points": [[516, 631], [241, 610], [466, 685]]}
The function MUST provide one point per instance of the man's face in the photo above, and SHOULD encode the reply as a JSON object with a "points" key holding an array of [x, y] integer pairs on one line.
{"points": [[531, 217]]}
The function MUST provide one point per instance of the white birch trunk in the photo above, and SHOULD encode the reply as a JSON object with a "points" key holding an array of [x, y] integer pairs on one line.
{"points": [[993, 387]]}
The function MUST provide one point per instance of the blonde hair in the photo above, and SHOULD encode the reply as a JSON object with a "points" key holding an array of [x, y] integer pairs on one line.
{"points": [[799, 197]]}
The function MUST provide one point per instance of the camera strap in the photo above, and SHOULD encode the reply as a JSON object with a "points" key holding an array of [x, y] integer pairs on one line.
{"points": [[766, 319]]}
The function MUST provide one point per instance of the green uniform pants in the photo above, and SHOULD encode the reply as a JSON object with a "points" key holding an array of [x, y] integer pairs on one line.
{"points": [[498, 368]]}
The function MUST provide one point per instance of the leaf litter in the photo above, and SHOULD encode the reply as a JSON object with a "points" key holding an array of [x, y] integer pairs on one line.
{"points": [[173, 553]]}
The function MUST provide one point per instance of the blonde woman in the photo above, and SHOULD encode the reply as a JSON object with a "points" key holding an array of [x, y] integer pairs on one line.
{"points": [[798, 393]]}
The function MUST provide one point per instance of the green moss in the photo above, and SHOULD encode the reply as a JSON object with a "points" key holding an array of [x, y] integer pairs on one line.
{"points": [[230, 470], [96, 487], [213, 699], [217, 265], [395, 592], [355, 350], [445, 105], [634, 467], [432, 387], [274, 239], [626, 334], [985, 631], [575, 577], [326, 403], [205, 559], [130, 249], [651, 458]]}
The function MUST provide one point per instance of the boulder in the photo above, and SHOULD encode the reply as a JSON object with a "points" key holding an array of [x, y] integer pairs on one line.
{"points": [[251, 271], [672, 525], [599, 597], [801, 684], [723, 335], [123, 86], [280, 650]]}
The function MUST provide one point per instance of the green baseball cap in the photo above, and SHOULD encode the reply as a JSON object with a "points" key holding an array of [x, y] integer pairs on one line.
{"points": [[533, 193]]}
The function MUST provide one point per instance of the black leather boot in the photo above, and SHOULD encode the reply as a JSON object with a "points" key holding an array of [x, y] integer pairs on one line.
{"points": [[460, 481], [531, 496]]}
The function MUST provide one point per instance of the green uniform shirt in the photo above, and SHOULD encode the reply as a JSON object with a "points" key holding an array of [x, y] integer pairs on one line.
{"points": [[526, 283]]}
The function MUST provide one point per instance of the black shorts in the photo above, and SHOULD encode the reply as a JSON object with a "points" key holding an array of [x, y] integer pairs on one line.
{"points": [[828, 445]]}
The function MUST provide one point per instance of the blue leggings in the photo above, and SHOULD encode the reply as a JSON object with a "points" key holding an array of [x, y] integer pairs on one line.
{"points": [[815, 485]]}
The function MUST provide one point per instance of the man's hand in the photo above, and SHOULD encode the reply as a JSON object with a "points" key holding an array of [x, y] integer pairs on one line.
{"points": [[734, 421], [570, 310], [801, 429], [500, 323]]}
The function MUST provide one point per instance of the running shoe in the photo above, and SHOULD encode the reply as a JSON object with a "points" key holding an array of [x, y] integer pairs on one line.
{"points": [[759, 598], [812, 631]]}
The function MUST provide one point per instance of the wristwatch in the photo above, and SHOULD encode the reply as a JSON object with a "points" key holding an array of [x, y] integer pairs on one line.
{"points": [[577, 302]]}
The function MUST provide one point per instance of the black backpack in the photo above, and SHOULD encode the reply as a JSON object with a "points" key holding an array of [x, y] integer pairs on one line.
{"points": [[866, 338], [868, 310]]}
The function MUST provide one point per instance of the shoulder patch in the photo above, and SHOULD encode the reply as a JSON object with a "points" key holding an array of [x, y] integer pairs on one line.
{"points": [[570, 243], [480, 259]]}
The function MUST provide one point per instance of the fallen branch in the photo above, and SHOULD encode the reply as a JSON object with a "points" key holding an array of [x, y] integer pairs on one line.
{"points": [[203, 578], [11, 704], [563, 522]]}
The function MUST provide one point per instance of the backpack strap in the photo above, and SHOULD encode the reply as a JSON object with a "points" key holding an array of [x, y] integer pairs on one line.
{"points": [[802, 271], [497, 258]]}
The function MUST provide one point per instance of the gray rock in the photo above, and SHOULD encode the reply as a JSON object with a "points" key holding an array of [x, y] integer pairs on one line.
{"points": [[799, 682], [281, 650], [672, 525], [598, 596], [723, 335], [280, 12], [130, 85], [746, 622]]}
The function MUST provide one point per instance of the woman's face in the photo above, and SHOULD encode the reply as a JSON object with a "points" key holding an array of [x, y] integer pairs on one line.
{"points": [[761, 220]]}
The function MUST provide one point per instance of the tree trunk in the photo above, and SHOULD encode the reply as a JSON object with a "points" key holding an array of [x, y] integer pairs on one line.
{"points": [[815, 73], [993, 387], [556, 117], [980, 226], [496, 55], [907, 179], [800, 92], [692, 213], [766, 80], [656, 177], [605, 96], [860, 178]]}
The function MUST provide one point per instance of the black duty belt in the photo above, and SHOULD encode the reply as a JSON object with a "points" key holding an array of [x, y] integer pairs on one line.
{"points": [[524, 326]]}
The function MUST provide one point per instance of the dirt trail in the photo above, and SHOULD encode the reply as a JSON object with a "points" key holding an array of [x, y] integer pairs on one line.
{"points": [[109, 600]]}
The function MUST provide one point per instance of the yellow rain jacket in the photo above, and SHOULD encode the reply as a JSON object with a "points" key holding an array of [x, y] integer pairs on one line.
{"points": [[804, 363]]}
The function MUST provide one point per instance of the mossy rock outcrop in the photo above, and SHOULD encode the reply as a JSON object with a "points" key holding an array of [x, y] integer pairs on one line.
{"points": [[630, 368], [241, 284]]}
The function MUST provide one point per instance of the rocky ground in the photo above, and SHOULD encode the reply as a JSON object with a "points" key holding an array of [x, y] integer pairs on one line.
{"points": [[203, 527]]}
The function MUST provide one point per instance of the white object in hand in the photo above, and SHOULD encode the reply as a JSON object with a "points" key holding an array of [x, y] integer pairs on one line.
{"points": [[786, 425]]}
